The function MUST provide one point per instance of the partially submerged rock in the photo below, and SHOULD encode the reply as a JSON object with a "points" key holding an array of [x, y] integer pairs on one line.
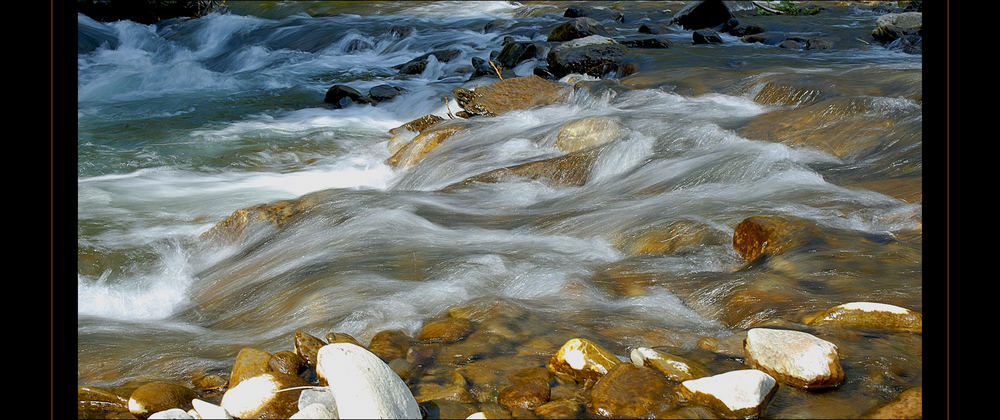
{"points": [[567, 170], [794, 357], [510, 94], [588, 132], [594, 55], [760, 235], [908, 405], [892, 26], [159, 396], [277, 213], [578, 27], [628, 391], [409, 154], [870, 315], [734, 394], [702, 14], [580, 359], [250, 362], [674, 367]]}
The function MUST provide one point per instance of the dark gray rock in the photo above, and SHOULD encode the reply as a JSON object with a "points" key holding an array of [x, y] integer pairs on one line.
{"points": [[594, 55], [646, 43], [702, 14], [341, 96], [516, 52], [417, 65], [382, 93], [576, 28], [706, 36]]}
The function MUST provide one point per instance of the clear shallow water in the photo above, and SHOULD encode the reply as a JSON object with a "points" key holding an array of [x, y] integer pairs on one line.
{"points": [[184, 122]]}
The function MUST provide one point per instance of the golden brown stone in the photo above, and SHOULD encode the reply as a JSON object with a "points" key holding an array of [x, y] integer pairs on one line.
{"points": [[209, 382], [567, 170], [307, 346], [560, 409], [524, 393], [286, 362], [249, 362], [432, 391], [390, 344], [580, 359], [409, 154], [908, 405], [336, 337], [588, 132], [448, 330], [759, 235], [404, 133], [277, 213], [98, 403], [278, 405], [510, 94], [159, 396], [675, 368], [628, 391], [870, 315]]}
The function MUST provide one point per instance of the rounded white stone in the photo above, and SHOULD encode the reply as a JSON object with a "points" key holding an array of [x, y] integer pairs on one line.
{"points": [[363, 385], [314, 411], [249, 395], [173, 413], [477, 415], [207, 410], [738, 390]]}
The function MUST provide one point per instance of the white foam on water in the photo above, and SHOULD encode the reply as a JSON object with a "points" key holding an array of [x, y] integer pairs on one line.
{"points": [[152, 295]]}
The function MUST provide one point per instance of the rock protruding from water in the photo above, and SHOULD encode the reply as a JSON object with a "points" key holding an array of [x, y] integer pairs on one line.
{"points": [[734, 394], [580, 359], [572, 169], [702, 14], [907, 405], [793, 357], [249, 362], [159, 396], [448, 330], [593, 55], [510, 94], [307, 345], [675, 368], [363, 385], [759, 235], [628, 391], [579, 27], [342, 96], [892, 26], [870, 315], [264, 396], [706, 36], [390, 344], [589, 132], [409, 154], [278, 214]]}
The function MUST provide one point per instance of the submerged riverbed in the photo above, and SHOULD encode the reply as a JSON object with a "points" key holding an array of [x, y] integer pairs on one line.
{"points": [[184, 122]]}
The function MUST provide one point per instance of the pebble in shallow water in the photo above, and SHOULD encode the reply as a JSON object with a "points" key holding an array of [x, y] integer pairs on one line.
{"points": [[793, 357]]}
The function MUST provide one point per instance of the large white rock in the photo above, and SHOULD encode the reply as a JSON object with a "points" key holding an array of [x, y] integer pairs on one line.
{"points": [[259, 396], [363, 385], [794, 357], [207, 410], [173, 413], [314, 411], [740, 393]]}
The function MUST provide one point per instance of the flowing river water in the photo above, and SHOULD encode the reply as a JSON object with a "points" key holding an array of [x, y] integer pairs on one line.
{"points": [[184, 122]]}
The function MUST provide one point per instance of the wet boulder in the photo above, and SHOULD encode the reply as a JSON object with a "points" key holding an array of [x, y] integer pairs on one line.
{"points": [[736, 28], [306, 346], [249, 363], [526, 393], [339, 337], [907, 405], [706, 36], [702, 14], [513, 53], [363, 385], [159, 396], [97, 402], [405, 133], [892, 26], [264, 396], [383, 92], [580, 359], [628, 391], [594, 55], [510, 94], [567, 170], [277, 214], [286, 362], [448, 330], [588, 132], [793, 357], [560, 409], [579, 27], [419, 64], [646, 43], [413, 152], [870, 315], [734, 394], [674, 367], [342, 96], [390, 344], [762, 235]]}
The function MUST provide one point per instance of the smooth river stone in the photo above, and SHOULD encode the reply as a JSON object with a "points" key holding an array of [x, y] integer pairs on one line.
{"points": [[628, 391], [259, 396], [159, 396], [676, 368], [249, 362], [870, 315], [306, 346], [580, 359], [735, 394], [794, 358], [363, 385]]}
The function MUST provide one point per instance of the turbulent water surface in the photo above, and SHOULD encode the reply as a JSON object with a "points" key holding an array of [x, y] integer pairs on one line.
{"points": [[183, 122]]}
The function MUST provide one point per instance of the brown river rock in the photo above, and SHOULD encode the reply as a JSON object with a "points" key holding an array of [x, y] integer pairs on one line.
{"points": [[98, 402], [337, 337], [908, 405], [510, 94], [580, 359], [628, 391], [307, 346], [759, 235], [159, 396], [390, 344], [249, 362], [870, 315], [413, 152], [277, 213], [567, 170], [286, 362], [448, 330], [525, 393]]}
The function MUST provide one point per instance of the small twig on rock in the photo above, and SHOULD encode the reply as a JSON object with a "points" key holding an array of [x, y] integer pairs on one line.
{"points": [[446, 106], [496, 69], [865, 42]]}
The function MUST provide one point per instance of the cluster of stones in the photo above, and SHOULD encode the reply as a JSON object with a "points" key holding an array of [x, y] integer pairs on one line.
{"points": [[390, 378]]}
